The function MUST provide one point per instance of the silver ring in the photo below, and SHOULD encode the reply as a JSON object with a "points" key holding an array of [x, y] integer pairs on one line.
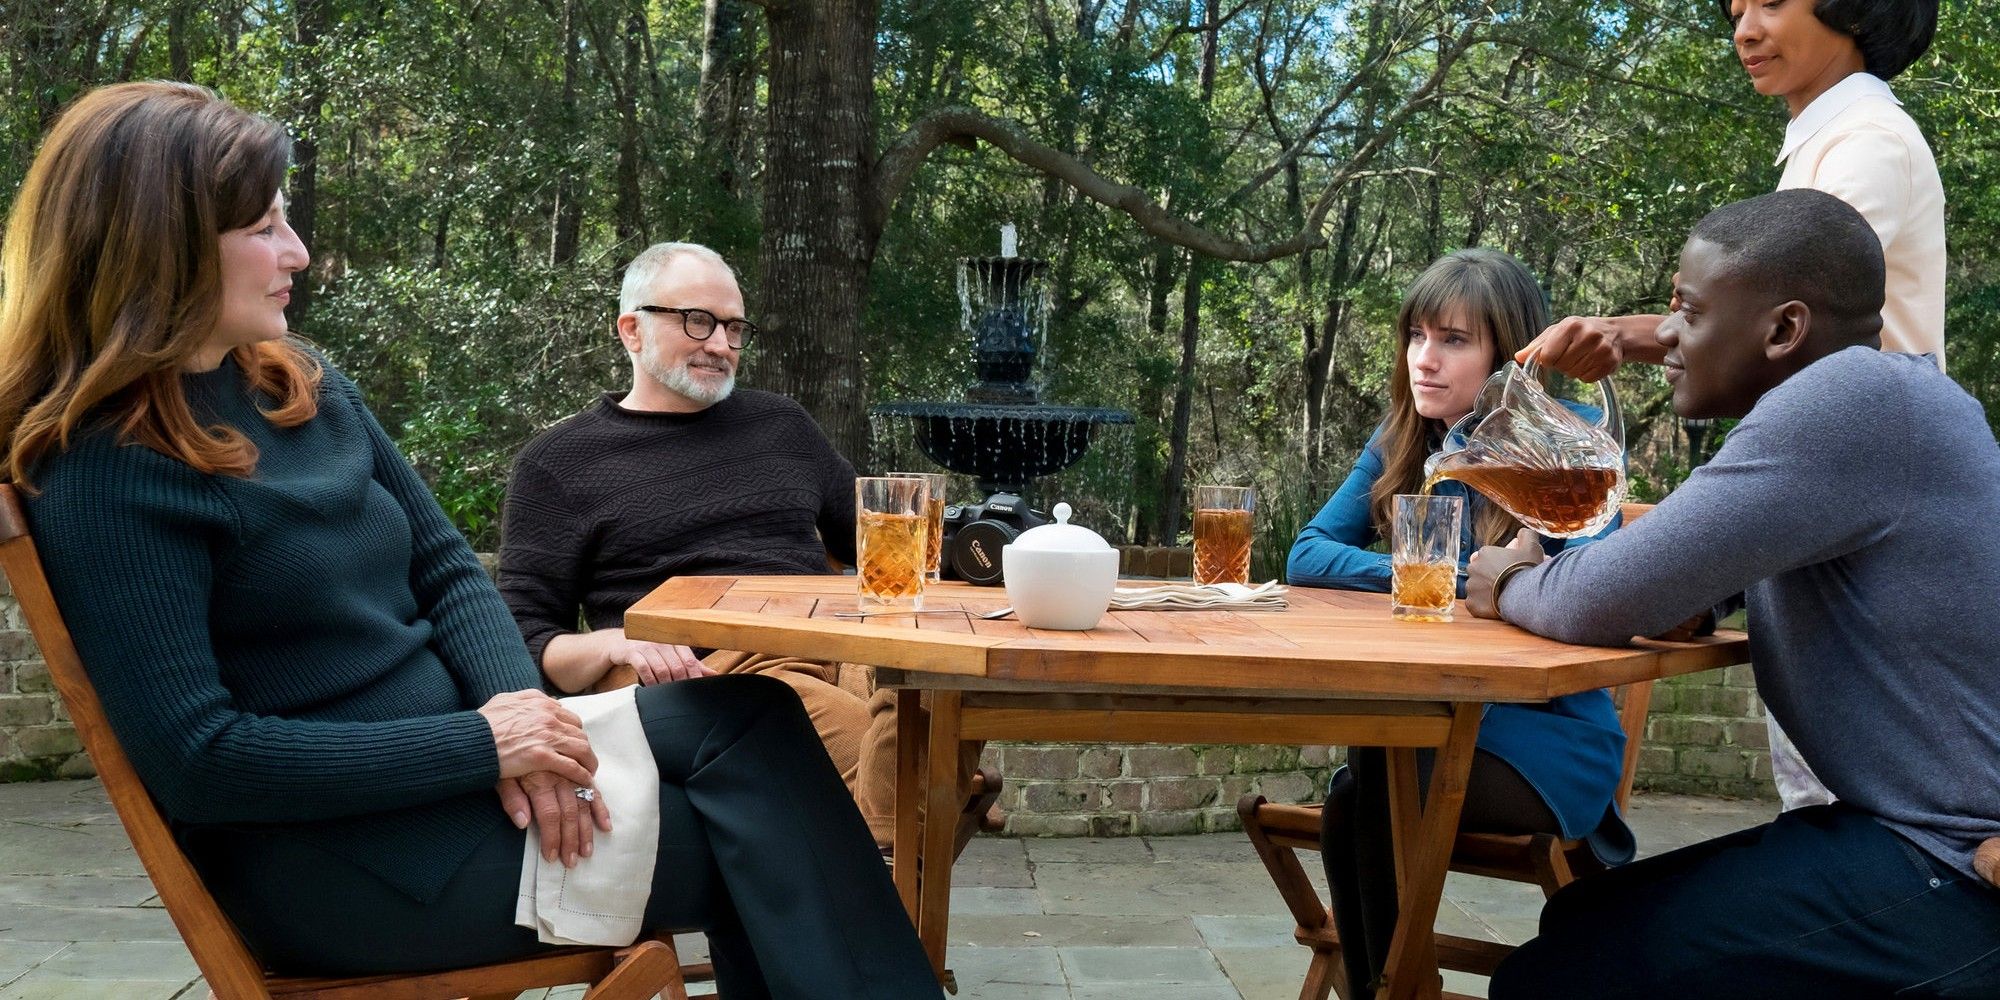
{"points": [[587, 794]]}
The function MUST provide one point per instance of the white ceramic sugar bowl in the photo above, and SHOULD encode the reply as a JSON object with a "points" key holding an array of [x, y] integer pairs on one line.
{"points": [[1060, 575]]}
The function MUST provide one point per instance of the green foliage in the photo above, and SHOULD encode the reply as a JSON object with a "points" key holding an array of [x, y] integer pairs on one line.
{"points": [[455, 139]]}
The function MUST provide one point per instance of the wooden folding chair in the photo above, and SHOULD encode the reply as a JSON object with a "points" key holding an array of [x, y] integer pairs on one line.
{"points": [[1278, 831], [644, 970]]}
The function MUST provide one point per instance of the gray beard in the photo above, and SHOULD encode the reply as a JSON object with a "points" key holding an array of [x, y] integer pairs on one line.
{"points": [[682, 382]]}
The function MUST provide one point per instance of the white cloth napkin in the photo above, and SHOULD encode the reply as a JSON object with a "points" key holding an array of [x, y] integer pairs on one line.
{"points": [[1268, 596], [602, 901]]}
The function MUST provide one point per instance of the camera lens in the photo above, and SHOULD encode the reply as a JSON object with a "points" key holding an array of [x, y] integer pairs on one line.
{"points": [[975, 551]]}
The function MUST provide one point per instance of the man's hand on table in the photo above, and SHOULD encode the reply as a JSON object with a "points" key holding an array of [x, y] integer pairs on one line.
{"points": [[654, 662], [599, 661], [1490, 567]]}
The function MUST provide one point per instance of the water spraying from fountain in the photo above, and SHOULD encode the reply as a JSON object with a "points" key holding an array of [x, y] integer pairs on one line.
{"points": [[1003, 436]]}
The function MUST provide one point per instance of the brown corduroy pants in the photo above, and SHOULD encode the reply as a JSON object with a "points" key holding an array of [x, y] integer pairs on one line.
{"points": [[855, 720]]}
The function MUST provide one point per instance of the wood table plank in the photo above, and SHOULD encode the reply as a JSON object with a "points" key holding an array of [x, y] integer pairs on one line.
{"points": [[1331, 664], [1330, 642]]}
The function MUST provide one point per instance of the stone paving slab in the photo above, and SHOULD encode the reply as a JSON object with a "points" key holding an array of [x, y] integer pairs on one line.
{"points": [[1156, 918]]}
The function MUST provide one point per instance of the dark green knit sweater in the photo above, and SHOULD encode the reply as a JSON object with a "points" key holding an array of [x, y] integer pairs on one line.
{"points": [[299, 652]]}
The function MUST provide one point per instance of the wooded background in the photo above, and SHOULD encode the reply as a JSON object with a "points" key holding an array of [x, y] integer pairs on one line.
{"points": [[1232, 194]]}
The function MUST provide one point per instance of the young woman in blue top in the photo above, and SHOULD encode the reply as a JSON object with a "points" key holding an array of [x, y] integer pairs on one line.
{"points": [[1550, 768]]}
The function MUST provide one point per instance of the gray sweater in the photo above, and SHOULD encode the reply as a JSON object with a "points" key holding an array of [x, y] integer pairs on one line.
{"points": [[1857, 508]]}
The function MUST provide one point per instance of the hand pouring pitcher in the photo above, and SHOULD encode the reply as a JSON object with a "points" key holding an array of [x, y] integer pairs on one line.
{"points": [[1551, 467]]}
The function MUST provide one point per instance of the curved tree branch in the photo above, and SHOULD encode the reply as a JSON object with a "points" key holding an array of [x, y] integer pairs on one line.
{"points": [[900, 161]]}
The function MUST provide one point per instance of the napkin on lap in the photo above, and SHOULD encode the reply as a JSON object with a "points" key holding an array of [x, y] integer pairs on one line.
{"points": [[602, 901], [1268, 596]]}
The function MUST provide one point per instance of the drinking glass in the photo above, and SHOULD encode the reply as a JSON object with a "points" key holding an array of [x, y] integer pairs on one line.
{"points": [[1423, 556], [890, 525], [1222, 533], [935, 509]]}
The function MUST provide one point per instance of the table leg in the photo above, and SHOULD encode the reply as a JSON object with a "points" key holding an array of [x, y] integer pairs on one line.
{"points": [[1412, 968], [909, 795], [1405, 808], [941, 808]]}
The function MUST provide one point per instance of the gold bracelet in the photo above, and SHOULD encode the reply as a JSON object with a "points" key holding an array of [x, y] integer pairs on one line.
{"points": [[1507, 573]]}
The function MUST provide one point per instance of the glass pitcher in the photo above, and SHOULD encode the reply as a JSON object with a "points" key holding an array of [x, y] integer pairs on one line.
{"points": [[1548, 465]]}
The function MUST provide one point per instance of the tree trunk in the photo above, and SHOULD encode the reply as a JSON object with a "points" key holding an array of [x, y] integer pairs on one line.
{"points": [[311, 18], [1147, 473], [1177, 439], [1344, 272], [818, 243], [178, 61], [567, 219], [1170, 512], [727, 88], [631, 211], [440, 240]]}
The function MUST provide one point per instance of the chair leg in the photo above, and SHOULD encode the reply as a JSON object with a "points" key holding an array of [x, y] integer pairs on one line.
{"points": [[985, 791], [1552, 869], [649, 969], [1315, 922], [1326, 974]]}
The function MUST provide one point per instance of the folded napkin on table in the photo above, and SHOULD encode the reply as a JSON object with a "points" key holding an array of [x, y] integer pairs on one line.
{"points": [[1269, 596], [602, 901]]}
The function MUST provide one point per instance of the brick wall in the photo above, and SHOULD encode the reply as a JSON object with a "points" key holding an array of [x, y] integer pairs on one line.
{"points": [[36, 741], [1110, 791], [1706, 735]]}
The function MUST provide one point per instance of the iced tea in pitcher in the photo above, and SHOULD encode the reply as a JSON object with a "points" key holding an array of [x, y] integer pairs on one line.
{"points": [[1556, 502], [1557, 466]]}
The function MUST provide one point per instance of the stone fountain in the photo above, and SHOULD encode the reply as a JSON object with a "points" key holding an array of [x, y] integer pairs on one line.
{"points": [[1003, 436]]}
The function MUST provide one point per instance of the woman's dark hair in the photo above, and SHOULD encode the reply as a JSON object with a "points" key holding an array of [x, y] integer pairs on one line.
{"points": [[1498, 297], [1892, 34]]}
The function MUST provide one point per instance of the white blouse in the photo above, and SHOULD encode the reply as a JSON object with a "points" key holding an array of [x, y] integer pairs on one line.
{"points": [[1857, 143]]}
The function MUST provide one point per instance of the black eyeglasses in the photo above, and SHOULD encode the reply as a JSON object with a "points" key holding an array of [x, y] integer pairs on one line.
{"points": [[700, 324]]}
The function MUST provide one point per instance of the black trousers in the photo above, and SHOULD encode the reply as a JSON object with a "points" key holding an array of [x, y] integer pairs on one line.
{"points": [[760, 846], [1822, 903], [1356, 847]]}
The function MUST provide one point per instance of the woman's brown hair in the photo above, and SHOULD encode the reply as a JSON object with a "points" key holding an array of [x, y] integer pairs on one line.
{"points": [[1497, 297], [110, 276]]}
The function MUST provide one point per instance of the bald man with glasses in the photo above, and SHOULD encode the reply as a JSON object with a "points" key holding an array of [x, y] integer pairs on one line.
{"points": [[685, 474]]}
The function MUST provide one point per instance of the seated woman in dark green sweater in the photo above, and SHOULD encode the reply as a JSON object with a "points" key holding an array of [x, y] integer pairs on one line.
{"points": [[299, 652]]}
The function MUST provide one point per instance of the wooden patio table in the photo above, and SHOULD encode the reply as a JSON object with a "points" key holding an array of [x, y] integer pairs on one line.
{"points": [[1333, 668]]}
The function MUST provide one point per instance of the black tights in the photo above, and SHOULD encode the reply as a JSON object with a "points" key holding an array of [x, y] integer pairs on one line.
{"points": [[760, 845], [1360, 860]]}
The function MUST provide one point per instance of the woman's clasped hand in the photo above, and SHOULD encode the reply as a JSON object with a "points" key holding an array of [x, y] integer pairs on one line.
{"points": [[545, 757]]}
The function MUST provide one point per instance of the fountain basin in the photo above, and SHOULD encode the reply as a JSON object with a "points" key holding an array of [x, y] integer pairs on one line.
{"points": [[1004, 446]]}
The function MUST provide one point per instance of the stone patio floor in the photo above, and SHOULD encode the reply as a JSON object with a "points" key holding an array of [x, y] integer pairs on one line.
{"points": [[1157, 918]]}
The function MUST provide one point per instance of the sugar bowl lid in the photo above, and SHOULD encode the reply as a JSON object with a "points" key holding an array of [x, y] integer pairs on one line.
{"points": [[1061, 536]]}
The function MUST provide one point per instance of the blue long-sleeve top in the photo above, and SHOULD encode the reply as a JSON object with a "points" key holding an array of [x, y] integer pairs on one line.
{"points": [[1572, 749], [1332, 550]]}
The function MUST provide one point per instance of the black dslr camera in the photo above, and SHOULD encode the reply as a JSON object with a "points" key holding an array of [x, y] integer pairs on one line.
{"points": [[974, 533]]}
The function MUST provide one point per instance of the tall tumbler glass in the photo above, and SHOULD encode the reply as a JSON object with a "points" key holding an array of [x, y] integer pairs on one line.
{"points": [[1222, 533], [934, 544], [1423, 556], [890, 526]]}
